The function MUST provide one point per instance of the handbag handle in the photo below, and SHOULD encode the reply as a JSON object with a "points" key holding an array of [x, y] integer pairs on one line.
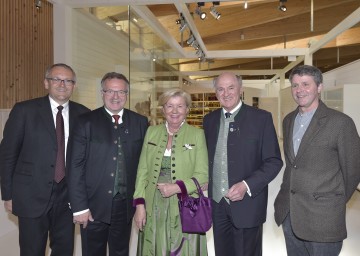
{"points": [[183, 189], [200, 192]]}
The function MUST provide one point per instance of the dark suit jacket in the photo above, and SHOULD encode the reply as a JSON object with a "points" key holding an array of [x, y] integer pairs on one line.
{"points": [[91, 166], [319, 181], [253, 155], [28, 155]]}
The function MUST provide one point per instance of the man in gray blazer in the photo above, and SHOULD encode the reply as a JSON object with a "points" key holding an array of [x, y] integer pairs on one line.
{"points": [[322, 153]]}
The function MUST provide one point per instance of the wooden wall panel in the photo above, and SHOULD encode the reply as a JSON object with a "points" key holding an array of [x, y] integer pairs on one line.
{"points": [[26, 49]]}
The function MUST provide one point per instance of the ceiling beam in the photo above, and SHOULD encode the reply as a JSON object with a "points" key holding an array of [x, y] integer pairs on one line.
{"points": [[347, 23], [153, 22], [256, 53]]}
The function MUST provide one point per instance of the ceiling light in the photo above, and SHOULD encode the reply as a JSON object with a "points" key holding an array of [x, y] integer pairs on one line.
{"points": [[196, 45], [183, 26], [282, 6], [38, 4], [182, 22], [191, 40], [198, 11], [214, 12], [245, 4]]}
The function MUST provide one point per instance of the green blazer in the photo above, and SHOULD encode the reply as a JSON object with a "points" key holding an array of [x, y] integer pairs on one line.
{"points": [[189, 158]]}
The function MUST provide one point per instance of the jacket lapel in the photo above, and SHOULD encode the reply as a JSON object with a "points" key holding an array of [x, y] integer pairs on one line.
{"points": [[46, 114], [315, 125], [289, 146], [124, 127]]}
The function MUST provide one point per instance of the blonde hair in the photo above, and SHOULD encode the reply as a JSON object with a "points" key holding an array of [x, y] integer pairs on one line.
{"points": [[176, 92]]}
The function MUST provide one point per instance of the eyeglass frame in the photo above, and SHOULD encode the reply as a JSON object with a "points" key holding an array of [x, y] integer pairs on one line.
{"points": [[110, 92], [58, 81]]}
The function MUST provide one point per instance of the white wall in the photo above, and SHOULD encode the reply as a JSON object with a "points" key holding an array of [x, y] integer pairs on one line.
{"points": [[96, 50], [271, 104], [352, 103], [348, 78], [347, 74]]}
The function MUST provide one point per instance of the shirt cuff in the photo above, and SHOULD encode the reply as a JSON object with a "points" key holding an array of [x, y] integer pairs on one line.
{"points": [[248, 189], [81, 212]]}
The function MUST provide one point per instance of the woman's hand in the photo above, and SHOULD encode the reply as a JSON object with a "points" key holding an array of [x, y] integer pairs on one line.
{"points": [[204, 187], [168, 189], [140, 216]]}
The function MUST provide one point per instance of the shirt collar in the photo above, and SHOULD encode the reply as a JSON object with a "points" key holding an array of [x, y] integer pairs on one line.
{"points": [[54, 104], [234, 110], [121, 112]]}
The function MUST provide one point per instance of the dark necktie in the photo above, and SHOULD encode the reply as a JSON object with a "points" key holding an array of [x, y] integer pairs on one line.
{"points": [[60, 137], [116, 118], [227, 114]]}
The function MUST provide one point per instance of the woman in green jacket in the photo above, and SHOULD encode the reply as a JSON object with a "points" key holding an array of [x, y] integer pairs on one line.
{"points": [[174, 151]]}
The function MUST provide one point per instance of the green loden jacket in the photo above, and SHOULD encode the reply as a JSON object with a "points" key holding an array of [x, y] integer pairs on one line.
{"points": [[189, 158]]}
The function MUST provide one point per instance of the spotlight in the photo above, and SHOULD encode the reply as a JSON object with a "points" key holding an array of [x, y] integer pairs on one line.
{"points": [[214, 12], [198, 11], [191, 40], [183, 26], [195, 45], [282, 6], [182, 22], [38, 4], [245, 4]]}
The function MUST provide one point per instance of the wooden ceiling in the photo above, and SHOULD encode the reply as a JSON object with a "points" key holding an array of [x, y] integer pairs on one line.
{"points": [[258, 41]]}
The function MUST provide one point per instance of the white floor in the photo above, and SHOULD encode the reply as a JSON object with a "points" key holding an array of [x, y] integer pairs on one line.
{"points": [[273, 240]]}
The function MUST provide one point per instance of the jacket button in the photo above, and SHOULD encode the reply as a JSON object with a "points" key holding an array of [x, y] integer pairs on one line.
{"points": [[174, 178], [173, 165], [292, 192], [110, 192], [173, 171]]}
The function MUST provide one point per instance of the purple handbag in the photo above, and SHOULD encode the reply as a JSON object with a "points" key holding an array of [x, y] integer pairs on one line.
{"points": [[195, 213]]}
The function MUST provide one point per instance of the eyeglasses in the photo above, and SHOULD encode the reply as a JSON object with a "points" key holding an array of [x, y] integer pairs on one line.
{"points": [[58, 81], [110, 92]]}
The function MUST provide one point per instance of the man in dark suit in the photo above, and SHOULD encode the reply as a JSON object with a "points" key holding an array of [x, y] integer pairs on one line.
{"points": [[322, 153], [28, 157], [244, 156], [105, 150]]}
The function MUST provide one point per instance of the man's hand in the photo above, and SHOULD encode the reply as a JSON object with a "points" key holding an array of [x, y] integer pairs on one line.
{"points": [[237, 192], [8, 206], [168, 189], [83, 219], [140, 216]]}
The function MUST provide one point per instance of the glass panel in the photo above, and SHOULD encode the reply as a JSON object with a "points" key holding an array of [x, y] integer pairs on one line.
{"points": [[150, 69]]}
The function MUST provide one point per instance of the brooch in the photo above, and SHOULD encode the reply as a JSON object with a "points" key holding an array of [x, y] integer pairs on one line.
{"points": [[188, 146]]}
